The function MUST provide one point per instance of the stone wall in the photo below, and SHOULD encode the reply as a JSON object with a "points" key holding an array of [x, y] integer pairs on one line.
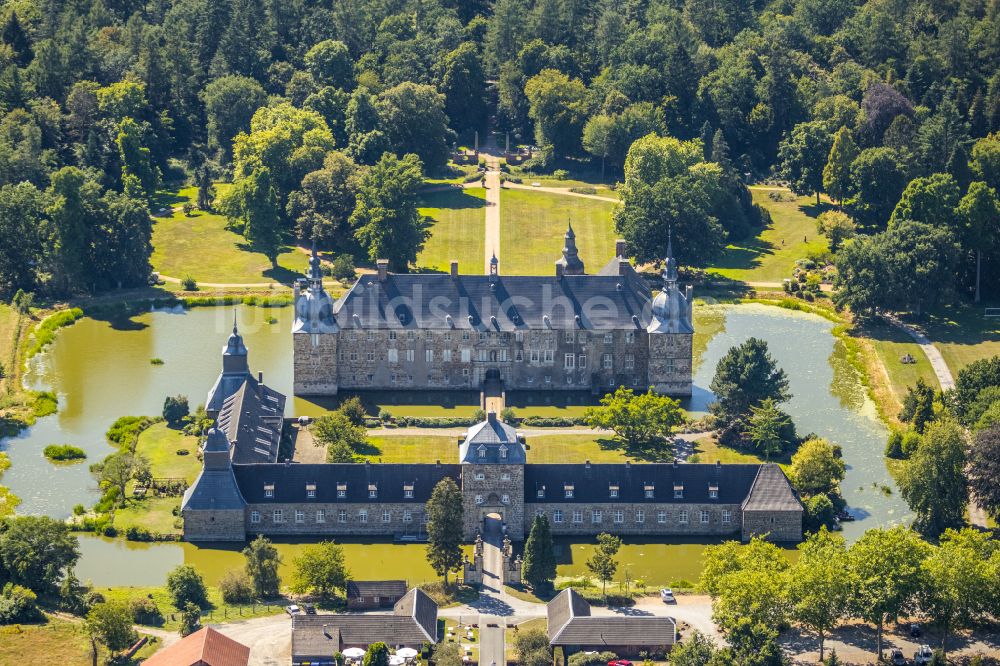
{"points": [[200, 525], [670, 367], [650, 525], [353, 523], [314, 361], [496, 482], [776, 525]]}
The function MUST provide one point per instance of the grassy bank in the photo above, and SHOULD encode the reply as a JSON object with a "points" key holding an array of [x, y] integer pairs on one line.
{"points": [[456, 230]]}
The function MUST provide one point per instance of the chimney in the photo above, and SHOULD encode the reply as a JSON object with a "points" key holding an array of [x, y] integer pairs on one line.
{"points": [[587, 464], [454, 268], [559, 269], [718, 465], [628, 464], [623, 267], [621, 248], [260, 385], [491, 417], [688, 292], [326, 630], [675, 463], [383, 269]]}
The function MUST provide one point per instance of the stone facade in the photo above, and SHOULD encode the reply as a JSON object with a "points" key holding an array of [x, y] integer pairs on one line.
{"points": [[314, 364], [334, 519], [214, 525], [775, 525], [655, 519], [495, 489]]}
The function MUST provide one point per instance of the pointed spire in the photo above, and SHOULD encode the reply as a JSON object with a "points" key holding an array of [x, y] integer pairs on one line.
{"points": [[315, 267], [570, 262], [670, 265], [235, 328]]}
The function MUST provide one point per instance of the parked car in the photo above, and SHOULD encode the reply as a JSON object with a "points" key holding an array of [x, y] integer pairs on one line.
{"points": [[619, 662], [915, 631], [667, 596], [923, 655], [292, 610], [309, 609], [896, 658]]}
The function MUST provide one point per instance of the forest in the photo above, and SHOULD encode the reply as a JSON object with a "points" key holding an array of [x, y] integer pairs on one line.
{"points": [[318, 119]]}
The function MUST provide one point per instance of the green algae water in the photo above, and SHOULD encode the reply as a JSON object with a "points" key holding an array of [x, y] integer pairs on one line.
{"points": [[101, 369]]}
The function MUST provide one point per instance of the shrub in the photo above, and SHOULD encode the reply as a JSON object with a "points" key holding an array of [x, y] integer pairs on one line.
{"points": [[507, 415], [478, 415], [79, 510], [894, 446], [175, 408], [384, 415], [560, 174], [342, 268], [186, 587], [63, 452], [136, 533], [156, 361], [145, 611], [236, 588], [18, 604], [911, 440], [591, 658], [583, 190], [188, 208], [188, 283], [126, 429]]}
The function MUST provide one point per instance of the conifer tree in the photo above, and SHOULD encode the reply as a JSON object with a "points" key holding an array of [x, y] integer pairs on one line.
{"points": [[539, 567], [837, 173], [444, 528]]}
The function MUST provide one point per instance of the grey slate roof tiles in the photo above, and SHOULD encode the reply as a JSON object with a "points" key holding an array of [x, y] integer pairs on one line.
{"points": [[570, 623], [251, 419], [375, 588], [492, 441], [771, 491]]}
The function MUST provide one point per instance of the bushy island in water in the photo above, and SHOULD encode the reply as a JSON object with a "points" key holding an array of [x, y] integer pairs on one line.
{"points": [[64, 453]]}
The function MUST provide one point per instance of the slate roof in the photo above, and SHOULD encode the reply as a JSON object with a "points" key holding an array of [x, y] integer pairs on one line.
{"points": [[771, 491], [251, 419], [570, 623], [290, 480], [492, 437], [592, 482], [205, 647], [413, 621], [375, 588], [214, 489], [519, 302]]}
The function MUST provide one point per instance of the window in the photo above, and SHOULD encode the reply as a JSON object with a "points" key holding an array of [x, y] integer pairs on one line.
{"points": [[548, 379], [465, 335], [582, 338], [255, 516], [534, 356], [649, 490], [568, 490], [479, 499], [577, 516], [640, 516], [619, 516], [372, 490], [727, 516], [569, 337], [429, 355], [393, 356], [480, 476], [482, 451], [482, 337], [629, 337], [277, 516], [596, 516], [606, 361], [371, 356], [582, 362], [363, 516], [386, 516], [392, 335], [661, 517], [629, 361], [411, 335], [300, 516], [678, 491], [540, 493], [268, 490], [447, 336], [407, 516], [354, 356], [370, 336], [311, 489], [320, 516], [341, 490], [557, 516], [466, 356], [713, 491], [609, 338], [518, 336], [704, 517], [505, 476], [550, 356], [503, 451], [682, 517], [409, 355], [446, 355], [341, 516], [505, 499], [408, 490], [613, 490]]}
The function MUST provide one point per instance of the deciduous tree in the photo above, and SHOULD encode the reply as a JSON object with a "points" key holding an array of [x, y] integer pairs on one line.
{"points": [[320, 569], [803, 155], [984, 469], [816, 468], [819, 584], [933, 482], [638, 420], [385, 218], [604, 563], [186, 586], [262, 564], [110, 623]]}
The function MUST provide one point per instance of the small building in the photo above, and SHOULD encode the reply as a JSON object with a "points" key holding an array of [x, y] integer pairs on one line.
{"points": [[205, 647], [574, 629], [412, 623], [369, 594]]}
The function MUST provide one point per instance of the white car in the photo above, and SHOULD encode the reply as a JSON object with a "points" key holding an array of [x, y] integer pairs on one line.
{"points": [[667, 596], [292, 610], [923, 655]]}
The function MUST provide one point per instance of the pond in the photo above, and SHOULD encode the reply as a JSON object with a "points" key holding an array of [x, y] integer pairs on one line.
{"points": [[101, 370]]}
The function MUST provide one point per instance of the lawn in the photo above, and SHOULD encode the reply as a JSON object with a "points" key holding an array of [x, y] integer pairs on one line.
{"points": [[453, 174], [218, 611], [457, 230], [54, 642], [8, 330], [770, 257], [891, 344], [963, 333], [532, 226], [412, 449], [160, 444], [403, 403], [707, 450], [578, 448], [201, 246], [152, 513]]}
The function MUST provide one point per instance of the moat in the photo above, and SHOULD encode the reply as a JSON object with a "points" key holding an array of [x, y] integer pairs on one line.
{"points": [[101, 370]]}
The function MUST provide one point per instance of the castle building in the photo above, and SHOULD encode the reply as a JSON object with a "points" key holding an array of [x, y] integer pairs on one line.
{"points": [[242, 491], [569, 331]]}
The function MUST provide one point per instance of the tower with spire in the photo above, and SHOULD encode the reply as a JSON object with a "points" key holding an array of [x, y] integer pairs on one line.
{"points": [[314, 334], [570, 262], [671, 333]]}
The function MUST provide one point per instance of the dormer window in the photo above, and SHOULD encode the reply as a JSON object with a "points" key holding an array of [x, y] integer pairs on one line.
{"points": [[678, 491], [341, 490], [540, 492], [649, 490], [482, 451], [311, 489], [713, 490], [568, 490], [503, 451], [613, 490], [269, 490], [372, 490], [408, 490]]}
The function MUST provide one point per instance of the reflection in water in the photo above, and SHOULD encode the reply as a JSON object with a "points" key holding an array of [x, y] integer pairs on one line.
{"points": [[101, 371]]}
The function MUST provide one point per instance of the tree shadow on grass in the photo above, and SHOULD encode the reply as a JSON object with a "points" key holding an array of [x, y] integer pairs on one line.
{"points": [[746, 255], [452, 199], [651, 452]]}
